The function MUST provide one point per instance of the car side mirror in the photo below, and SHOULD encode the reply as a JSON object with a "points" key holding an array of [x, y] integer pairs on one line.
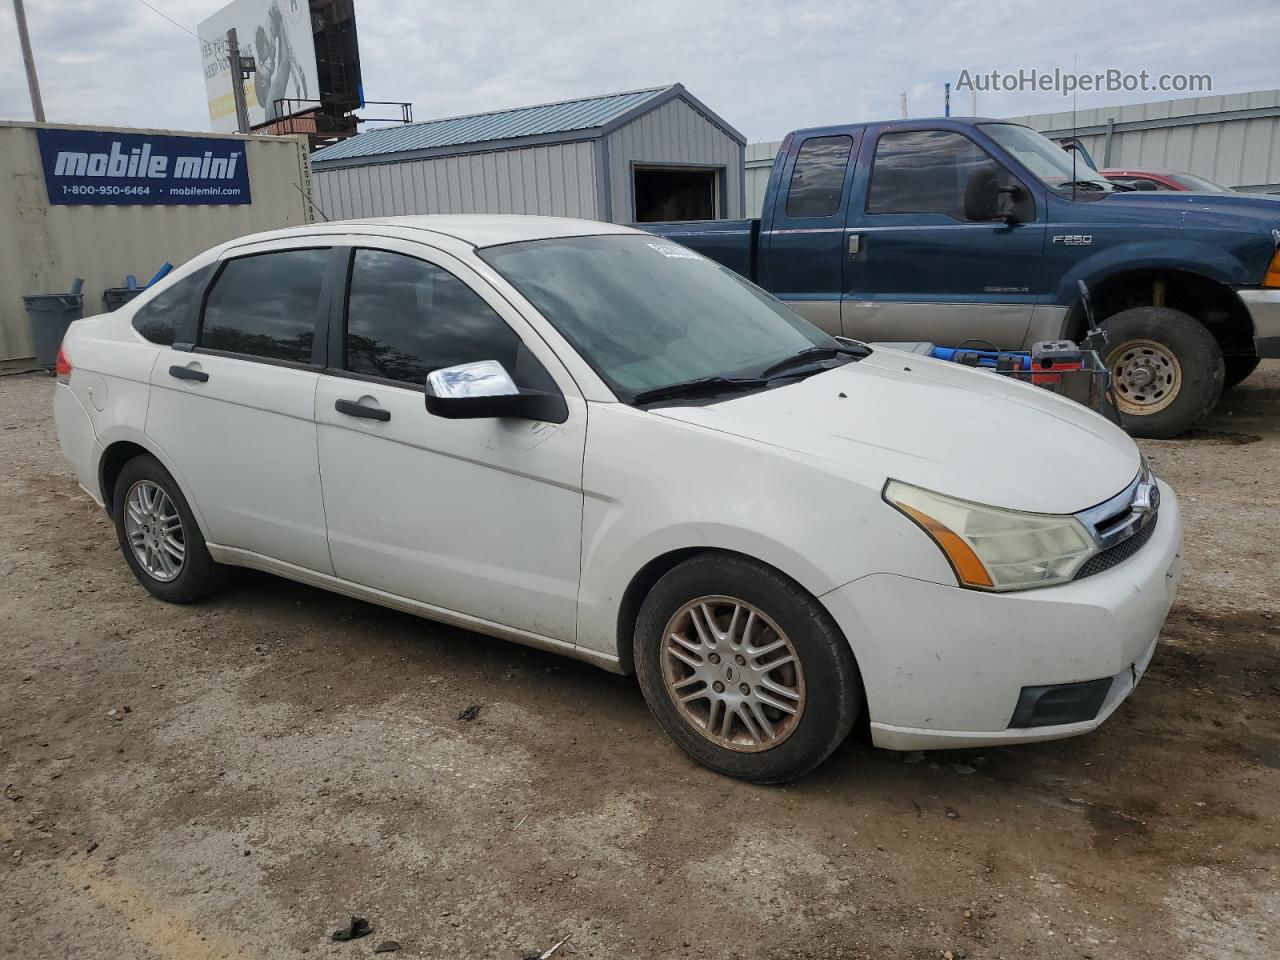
{"points": [[484, 389]]}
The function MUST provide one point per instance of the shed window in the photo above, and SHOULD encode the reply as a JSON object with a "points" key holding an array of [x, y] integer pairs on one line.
{"points": [[675, 193]]}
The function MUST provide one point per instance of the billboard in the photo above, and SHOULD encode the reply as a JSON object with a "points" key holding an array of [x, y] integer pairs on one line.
{"points": [[277, 34], [106, 168]]}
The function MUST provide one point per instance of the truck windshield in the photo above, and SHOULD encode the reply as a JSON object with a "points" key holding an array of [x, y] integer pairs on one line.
{"points": [[1049, 162], [647, 313]]}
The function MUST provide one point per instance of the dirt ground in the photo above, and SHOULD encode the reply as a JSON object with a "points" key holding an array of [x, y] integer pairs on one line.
{"points": [[235, 779]]}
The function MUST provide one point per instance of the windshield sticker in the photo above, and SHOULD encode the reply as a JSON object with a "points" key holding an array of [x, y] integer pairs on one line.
{"points": [[674, 252]]}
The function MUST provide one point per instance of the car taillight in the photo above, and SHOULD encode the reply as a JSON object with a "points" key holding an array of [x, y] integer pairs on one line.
{"points": [[62, 366], [1272, 279]]}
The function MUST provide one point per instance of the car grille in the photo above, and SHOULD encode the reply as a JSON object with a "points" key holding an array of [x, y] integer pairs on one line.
{"points": [[1119, 553]]}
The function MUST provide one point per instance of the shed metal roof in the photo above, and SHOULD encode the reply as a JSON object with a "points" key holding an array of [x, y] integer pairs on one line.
{"points": [[579, 119], [548, 118]]}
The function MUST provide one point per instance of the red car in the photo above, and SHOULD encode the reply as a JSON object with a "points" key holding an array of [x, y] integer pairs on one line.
{"points": [[1163, 180]]}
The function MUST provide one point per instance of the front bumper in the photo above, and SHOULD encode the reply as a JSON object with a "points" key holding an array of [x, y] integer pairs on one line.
{"points": [[945, 667], [1264, 309]]}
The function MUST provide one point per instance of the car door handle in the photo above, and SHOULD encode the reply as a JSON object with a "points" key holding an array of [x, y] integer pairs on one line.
{"points": [[855, 244], [187, 373], [353, 409]]}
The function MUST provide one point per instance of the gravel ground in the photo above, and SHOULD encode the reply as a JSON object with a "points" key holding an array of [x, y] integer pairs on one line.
{"points": [[235, 779]]}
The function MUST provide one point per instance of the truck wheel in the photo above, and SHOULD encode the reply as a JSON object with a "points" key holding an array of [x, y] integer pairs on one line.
{"points": [[1166, 368], [1238, 370], [744, 669]]}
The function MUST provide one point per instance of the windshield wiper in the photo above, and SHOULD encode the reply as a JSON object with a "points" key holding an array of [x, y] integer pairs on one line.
{"points": [[810, 354], [701, 387], [1085, 184]]}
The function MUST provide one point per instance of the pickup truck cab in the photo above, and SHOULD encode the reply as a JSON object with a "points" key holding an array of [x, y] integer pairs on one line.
{"points": [[958, 229]]}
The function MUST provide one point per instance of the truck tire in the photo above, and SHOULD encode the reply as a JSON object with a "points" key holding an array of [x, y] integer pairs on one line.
{"points": [[1238, 370], [1166, 368]]}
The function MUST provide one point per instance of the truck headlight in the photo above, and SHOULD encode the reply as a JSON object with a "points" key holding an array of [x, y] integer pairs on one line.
{"points": [[994, 549]]}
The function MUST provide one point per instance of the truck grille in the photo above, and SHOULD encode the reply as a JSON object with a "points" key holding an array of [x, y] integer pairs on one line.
{"points": [[1119, 553]]}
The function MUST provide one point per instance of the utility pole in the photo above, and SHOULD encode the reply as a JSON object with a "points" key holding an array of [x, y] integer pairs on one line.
{"points": [[904, 104], [237, 82], [29, 61]]}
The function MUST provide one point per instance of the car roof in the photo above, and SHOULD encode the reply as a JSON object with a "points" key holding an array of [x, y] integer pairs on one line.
{"points": [[473, 229]]}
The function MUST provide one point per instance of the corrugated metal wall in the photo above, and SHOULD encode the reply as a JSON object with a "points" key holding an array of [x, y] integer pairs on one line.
{"points": [[557, 180], [760, 158], [1232, 139], [673, 133], [43, 248]]}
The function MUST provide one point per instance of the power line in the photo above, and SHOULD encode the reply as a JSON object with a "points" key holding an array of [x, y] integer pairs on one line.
{"points": [[217, 43]]}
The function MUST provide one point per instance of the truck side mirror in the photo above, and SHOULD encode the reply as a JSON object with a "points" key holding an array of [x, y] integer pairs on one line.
{"points": [[986, 199], [982, 195]]}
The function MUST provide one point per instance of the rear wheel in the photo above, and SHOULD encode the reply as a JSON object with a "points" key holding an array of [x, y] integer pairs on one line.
{"points": [[1238, 370], [744, 669], [158, 534], [1166, 368]]}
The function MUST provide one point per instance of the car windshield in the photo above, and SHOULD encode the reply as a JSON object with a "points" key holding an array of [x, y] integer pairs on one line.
{"points": [[647, 313], [1051, 163], [1199, 184]]}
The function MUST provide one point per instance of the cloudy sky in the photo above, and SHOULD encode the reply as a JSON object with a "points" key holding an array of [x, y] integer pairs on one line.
{"points": [[766, 67]]}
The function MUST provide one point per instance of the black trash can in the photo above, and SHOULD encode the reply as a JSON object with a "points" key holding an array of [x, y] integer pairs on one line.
{"points": [[113, 298], [50, 315]]}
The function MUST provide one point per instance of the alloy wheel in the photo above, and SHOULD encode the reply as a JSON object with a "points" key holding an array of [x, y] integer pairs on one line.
{"points": [[153, 527], [733, 673]]}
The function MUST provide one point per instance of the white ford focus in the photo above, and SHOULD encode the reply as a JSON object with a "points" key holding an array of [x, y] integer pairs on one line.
{"points": [[582, 438]]}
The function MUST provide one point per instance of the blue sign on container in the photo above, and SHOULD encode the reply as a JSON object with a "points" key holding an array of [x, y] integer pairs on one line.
{"points": [[95, 167]]}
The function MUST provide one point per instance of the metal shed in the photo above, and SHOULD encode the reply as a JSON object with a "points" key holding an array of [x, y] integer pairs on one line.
{"points": [[643, 155]]}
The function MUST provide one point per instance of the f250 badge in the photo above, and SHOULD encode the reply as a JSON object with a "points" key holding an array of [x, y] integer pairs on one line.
{"points": [[1074, 239]]}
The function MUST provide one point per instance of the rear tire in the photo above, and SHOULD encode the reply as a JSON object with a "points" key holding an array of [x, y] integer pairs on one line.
{"points": [[1166, 368], [158, 534], [780, 669], [1238, 370]]}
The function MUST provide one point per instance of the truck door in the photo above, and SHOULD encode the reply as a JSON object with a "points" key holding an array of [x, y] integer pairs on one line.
{"points": [[915, 267], [801, 239]]}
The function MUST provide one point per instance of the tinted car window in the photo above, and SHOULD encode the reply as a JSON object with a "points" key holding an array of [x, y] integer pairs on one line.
{"points": [[818, 179], [925, 171], [161, 319], [266, 305], [407, 317]]}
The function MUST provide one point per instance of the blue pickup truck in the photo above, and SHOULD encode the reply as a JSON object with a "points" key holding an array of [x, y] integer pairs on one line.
{"points": [[960, 229]]}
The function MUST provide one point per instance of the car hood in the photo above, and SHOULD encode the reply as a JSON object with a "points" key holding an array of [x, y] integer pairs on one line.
{"points": [[966, 433]]}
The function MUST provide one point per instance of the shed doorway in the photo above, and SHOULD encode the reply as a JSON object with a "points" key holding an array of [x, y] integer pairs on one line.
{"points": [[676, 193]]}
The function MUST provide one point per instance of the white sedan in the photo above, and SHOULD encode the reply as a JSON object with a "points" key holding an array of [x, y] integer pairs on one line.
{"points": [[580, 437]]}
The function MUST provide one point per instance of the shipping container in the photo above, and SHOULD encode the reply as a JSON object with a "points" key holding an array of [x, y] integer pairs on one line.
{"points": [[92, 229]]}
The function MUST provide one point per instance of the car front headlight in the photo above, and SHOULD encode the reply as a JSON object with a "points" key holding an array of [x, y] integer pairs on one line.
{"points": [[994, 549]]}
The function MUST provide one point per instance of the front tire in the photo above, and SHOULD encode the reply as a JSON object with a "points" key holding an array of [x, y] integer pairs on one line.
{"points": [[1238, 370], [744, 669], [158, 534], [1166, 368]]}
